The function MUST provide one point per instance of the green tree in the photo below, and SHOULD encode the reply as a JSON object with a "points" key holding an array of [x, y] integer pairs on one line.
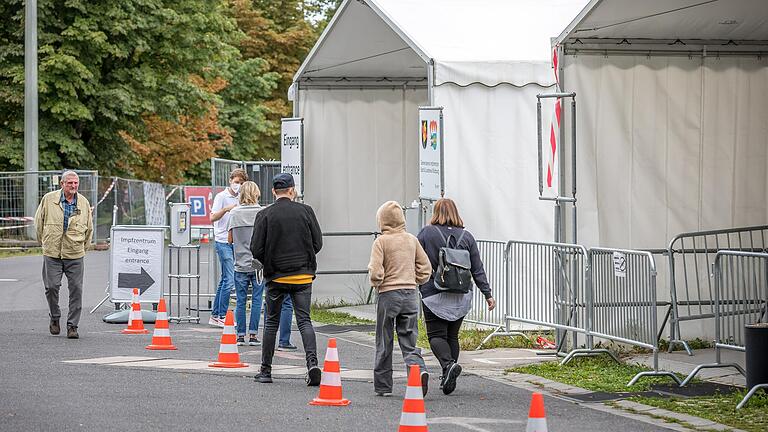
{"points": [[105, 66]]}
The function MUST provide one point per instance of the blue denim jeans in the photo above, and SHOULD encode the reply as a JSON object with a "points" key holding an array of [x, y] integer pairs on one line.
{"points": [[286, 316], [226, 255], [243, 281]]}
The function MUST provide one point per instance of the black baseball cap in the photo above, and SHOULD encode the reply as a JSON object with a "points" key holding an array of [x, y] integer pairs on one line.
{"points": [[283, 181]]}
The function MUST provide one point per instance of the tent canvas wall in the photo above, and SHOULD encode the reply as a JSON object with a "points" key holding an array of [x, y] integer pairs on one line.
{"points": [[672, 137], [359, 91], [672, 131], [483, 61]]}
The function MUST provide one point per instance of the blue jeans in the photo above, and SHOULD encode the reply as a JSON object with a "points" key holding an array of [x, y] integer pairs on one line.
{"points": [[242, 283], [286, 315], [226, 255]]}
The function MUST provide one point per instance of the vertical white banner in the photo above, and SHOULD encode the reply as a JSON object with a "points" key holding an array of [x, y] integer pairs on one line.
{"points": [[431, 153], [292, 151]]}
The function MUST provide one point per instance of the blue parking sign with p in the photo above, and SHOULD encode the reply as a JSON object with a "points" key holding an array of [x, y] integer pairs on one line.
{"points": [[197, 204]]}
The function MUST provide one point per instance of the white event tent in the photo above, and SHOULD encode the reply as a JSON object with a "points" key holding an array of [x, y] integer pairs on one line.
{"points": [[672, 117], [359, 91]]}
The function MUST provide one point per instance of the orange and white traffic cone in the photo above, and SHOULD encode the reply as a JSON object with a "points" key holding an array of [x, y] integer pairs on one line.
{"points": [[135, 322], [161, 338], [330, 382], [414, 416], [228, 355], [537, 419]]}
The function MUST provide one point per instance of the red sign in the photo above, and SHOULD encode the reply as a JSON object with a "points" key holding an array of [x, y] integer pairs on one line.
{"points": [[200, 202]]}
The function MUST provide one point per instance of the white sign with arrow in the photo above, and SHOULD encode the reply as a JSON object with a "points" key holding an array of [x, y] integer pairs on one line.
{"points": [[136, 261]]}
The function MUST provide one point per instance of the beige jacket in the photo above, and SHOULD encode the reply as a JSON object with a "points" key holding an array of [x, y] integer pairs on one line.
{"points": [[49, 223], [397, 259]]}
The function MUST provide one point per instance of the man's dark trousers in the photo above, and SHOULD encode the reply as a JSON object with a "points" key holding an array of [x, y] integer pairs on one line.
{"points": [[301, 295]]}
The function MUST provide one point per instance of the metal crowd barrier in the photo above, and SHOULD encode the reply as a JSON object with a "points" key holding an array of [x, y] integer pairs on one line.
{"points": [[546, 286], [493, 256], [740, 298], [622, 302], [690, 260]]}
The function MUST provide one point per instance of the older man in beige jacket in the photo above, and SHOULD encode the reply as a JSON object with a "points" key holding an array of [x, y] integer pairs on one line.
{"points": [[64, 227]]}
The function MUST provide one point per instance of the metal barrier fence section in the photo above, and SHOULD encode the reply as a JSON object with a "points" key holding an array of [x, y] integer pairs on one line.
{"points": [[740, 299], [546, 286], [691, 256], [259, 172], [14, 224], [114, 200], [493, 257], [623, 305]]}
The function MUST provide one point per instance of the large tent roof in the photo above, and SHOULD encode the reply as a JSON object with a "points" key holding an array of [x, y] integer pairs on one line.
{"points": [[669, 25], [487, 41]]}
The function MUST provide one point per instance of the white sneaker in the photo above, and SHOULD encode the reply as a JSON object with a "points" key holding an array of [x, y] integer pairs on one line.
{"points": [[220, 323], [213, 321]]}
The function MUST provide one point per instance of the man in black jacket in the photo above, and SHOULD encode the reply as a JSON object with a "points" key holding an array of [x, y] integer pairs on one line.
{"points": [[286, 238]]}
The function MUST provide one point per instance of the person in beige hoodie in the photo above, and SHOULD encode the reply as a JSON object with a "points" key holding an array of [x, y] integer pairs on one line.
{"points": [[397, 267]]}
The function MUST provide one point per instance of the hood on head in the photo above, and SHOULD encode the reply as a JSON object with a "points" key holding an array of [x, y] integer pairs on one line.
{"points": [[390, 217]]}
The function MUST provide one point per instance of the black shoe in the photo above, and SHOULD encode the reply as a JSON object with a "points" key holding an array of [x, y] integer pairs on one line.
{"points": [[263, 377], [72, 333], [424, 382], [54, 327], [313, 376], [449, 378], [288, 347]]}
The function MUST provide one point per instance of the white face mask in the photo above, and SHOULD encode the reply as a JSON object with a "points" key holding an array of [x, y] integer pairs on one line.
{"points": [[235, 187]]}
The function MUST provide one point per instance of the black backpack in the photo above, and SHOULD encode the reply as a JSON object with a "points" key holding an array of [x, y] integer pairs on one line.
{"points": [[454, 267]]}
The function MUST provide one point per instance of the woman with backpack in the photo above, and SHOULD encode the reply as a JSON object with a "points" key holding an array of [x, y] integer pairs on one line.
{"points": [[447, 295]]}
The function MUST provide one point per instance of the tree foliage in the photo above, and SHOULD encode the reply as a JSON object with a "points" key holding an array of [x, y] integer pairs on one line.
{"points": [[153, 88]]}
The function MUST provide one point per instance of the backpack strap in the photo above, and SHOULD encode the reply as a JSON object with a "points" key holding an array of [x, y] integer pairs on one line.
{"points": [[458, 242], [442, 236]]}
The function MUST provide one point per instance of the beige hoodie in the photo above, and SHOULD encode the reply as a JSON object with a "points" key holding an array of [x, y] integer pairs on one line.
{"points": [[397, 259]]}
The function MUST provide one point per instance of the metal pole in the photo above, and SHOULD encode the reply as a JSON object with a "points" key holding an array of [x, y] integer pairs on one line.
{"points": [[538, 134], [442, 157], [30, 112], [573, 168]]}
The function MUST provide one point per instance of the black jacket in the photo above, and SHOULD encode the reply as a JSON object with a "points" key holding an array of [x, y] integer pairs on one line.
{"points": [[286, 238], [432, 242]]}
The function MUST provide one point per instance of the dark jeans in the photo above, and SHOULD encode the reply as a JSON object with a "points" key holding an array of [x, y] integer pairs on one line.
{"points": [[443, 337], [301, 296], [53, 270]]}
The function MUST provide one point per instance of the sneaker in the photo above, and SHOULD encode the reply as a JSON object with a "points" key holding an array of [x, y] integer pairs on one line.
{"points": [[220, 322], [313, 376], [240, 340], [263, 377], [383, 393], [288, 347], [254, 341], [449, 379], [424, 383], [54, 327], [213, 321], [72, 333]]}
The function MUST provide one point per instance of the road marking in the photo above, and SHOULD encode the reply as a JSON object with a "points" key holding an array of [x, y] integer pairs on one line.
{"points": [[492, 360], [9, 280], [471, 422], [201, 366]]}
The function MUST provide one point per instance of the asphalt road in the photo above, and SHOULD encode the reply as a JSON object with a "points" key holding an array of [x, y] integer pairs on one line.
{"points": [[40, 392]]}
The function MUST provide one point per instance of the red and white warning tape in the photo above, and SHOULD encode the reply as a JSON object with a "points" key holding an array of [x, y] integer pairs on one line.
{"points": [[17, 218], [109, 189]]}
